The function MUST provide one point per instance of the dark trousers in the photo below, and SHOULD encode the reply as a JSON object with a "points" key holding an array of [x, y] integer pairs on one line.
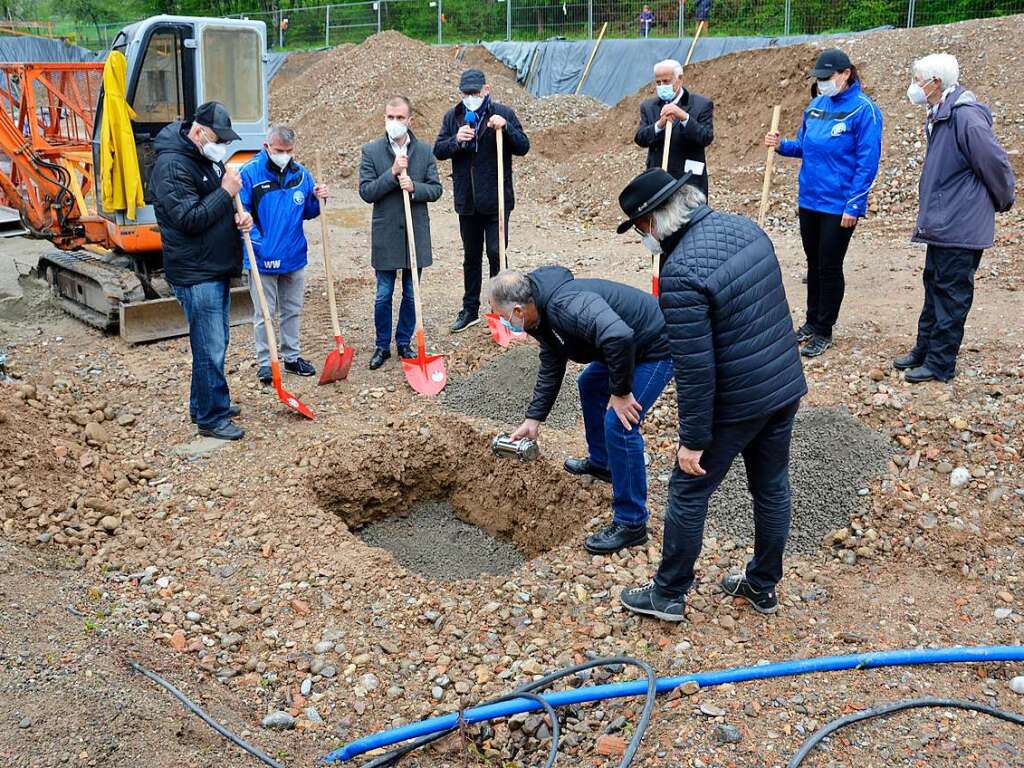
{"points": [[948, 295], [825, 243], [764, 444], [206, 307], [475, 229]]}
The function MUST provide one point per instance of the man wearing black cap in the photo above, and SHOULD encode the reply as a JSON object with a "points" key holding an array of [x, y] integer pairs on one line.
{"points": [[467, 138], [192, 194], [738, 382]]}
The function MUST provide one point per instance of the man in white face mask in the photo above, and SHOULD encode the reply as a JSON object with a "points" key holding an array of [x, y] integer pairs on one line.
{"points": [[281, 194]]}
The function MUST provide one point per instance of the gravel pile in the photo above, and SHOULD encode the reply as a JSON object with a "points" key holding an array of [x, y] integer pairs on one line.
{"points": [[502, 389], [433, 542], [833, 457]]}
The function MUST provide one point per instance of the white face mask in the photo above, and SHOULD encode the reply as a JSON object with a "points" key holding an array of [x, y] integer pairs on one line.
{"points": [[827, 87], [917, 95], [473, 103], [280, 159], [396, 129], [215, 152], [651, 244]]}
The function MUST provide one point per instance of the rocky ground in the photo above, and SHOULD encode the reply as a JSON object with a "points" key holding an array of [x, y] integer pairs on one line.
{"points": [[235, 571]]}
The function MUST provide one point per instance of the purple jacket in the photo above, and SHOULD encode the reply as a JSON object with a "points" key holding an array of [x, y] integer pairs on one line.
{"points": [[966, 177]]}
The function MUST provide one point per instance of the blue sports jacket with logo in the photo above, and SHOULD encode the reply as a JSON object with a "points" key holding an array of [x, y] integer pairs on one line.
{"points": [[279, 202], [840, 141]]}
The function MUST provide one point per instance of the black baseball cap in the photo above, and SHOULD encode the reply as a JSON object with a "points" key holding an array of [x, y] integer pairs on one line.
{"points": [[829, 62], [646, 192], [214, 115]]}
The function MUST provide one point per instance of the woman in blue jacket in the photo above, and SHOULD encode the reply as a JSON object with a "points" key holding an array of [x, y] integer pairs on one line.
{"points": [[840, 141]]}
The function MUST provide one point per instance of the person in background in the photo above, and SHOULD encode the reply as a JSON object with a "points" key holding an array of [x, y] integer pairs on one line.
{"points": [[840, 142], [193, 198], [646, 21], [702, 13], [693, 129], [966, 178], [397, 161], [467, 138], [280, 194]]}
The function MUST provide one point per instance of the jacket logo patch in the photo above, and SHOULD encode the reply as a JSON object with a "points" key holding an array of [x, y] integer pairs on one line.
{"points": [[298, 197], [839, 129]]}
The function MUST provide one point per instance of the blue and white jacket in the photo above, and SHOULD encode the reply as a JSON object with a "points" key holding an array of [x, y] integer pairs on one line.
{"points": [[279, 202], [840, 141]]}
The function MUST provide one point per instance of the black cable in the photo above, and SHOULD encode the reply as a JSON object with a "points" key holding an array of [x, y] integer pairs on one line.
{"points": [[189, 705], [896, 706]]}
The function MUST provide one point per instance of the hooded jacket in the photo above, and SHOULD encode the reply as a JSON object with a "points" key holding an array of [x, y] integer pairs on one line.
{"points": [[475, 163], [279, 201], [196, 216], [966, 176], [840, 141], [588, 320]]}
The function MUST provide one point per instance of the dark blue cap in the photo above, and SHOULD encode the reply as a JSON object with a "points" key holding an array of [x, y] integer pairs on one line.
{"points": [[472, 81]]}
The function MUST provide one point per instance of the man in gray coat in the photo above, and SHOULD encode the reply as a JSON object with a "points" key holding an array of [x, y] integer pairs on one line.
{"points": [[965, 179], [390, 164]]}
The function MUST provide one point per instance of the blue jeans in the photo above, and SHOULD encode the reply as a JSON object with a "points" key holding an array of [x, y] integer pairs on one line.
{"points": [[386, 280], [764, 444], [610, 445], [206, 309]]}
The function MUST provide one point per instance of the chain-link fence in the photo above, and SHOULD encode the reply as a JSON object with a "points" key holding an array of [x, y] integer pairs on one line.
{"points": [[468, 21]]}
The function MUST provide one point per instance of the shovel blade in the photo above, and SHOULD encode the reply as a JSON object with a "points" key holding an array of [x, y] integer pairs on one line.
{"points": [[426, 373], [502, 336], [654, 285], [337, 364], [285, 396]]}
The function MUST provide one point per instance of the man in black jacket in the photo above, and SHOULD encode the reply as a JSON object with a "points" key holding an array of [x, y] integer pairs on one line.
{"points": [[693, 125], [193, 196], [620, 332], [468, 139], [738, 381]]}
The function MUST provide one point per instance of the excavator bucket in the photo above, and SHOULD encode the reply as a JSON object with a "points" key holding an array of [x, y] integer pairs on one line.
{"points": [[155, 319]]}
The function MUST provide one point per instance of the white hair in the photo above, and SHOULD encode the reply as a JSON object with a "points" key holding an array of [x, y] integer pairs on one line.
{"points": [[509, 288], [938, 66], [677, 68], [676, 212]]}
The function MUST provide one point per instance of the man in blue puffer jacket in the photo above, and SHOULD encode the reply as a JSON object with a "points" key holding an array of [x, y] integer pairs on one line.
{"points": [[738, 382], [280, 194]]}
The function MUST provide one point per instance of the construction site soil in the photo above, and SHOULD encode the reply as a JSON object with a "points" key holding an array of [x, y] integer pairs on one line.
{"points": [[238, 571]]}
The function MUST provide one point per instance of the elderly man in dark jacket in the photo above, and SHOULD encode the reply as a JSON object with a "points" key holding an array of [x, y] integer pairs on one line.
{"points": [[620, 332], [738, 381], [965, 179], [397, 161], [693, 126], [468, 138], [192, 195]]}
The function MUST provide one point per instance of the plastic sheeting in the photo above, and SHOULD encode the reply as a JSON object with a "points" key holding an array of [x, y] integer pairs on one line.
{"points": [[620, 68], [18, 48], [272, 64]]}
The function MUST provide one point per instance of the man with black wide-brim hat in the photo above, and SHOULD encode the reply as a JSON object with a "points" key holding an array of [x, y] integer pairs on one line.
{"points": [[738, 382]]}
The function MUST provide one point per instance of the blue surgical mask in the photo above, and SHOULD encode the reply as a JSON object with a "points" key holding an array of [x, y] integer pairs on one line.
{"points": [[507, 322], [666, 92]]}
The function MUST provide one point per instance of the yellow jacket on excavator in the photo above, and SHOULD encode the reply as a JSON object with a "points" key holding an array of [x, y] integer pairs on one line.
{"points": [[120, 181]]}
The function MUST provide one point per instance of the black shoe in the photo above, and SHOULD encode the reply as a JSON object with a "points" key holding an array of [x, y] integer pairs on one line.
{"points": [[233, 410], [615, 537], [405, 352], [379, 356], [226, 430], [908, 361], [300, 367], [265, 375], [818, 345], [464, 321], [584, 467], [738, 586], [647, 601], [920, 375], [804, 333]]}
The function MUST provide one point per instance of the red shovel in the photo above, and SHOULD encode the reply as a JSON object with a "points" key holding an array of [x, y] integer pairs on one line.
{"points": [[339, 359], [425, 373], [285, 396], [499, 331]]}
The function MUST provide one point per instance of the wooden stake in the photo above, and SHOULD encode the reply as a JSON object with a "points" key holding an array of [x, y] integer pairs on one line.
{"points": [[590, 61], [693, 43], [769, 166]]}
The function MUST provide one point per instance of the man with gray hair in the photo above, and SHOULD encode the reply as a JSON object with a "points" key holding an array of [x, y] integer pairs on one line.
{"points": [[693, 128], [280, 194], [738, 382], [619, 332], [965, 179]]}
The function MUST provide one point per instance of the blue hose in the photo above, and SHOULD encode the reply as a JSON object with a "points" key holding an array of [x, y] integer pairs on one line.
{"points": [[586, 694]]}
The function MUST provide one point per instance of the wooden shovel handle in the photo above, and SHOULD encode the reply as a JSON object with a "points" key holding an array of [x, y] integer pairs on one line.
{"points": [[327, 257], [254, 275]]}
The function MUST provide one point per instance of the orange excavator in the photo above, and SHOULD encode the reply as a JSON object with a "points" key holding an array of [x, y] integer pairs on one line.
{"points": [[107, 268]]}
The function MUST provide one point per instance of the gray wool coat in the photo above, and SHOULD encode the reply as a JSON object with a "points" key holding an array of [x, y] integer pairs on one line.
{"points": [[379, 186]]}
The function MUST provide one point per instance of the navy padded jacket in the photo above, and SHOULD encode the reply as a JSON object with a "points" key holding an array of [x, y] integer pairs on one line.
{"points": [[733, 346]]}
